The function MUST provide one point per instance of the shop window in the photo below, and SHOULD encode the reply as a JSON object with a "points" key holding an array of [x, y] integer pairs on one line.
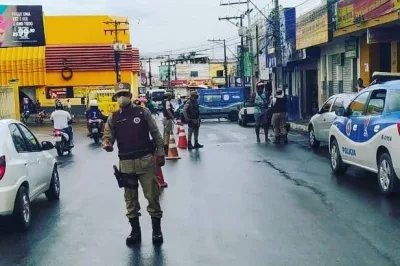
{"points": [[220, 73], [194, 74]]}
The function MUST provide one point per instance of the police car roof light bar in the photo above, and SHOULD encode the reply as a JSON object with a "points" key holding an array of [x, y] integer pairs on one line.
{"points": [[378, 77]]}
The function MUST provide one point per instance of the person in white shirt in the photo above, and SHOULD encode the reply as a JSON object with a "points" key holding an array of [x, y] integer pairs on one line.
{"points": [[60, 120]]}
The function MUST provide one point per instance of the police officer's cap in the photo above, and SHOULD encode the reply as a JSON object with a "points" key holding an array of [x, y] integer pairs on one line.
{"points": [[122, 87], [168, 93], [194, 93]]}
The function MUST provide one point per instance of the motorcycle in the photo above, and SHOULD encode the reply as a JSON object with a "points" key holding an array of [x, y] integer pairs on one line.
{"points": [[24, 116], [62, 142], [95, 130], [40, 117]]}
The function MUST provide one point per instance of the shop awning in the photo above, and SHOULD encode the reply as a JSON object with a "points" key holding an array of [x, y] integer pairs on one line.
{"points": [[27, 64]]}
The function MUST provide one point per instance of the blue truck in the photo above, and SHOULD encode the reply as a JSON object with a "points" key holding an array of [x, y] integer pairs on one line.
{"points": [[218, 103]]}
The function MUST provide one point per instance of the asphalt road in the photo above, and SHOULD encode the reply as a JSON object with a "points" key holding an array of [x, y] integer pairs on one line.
{"points": [[234, 202]]}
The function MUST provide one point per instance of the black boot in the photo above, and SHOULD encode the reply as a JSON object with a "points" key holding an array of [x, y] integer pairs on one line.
{"points": [[136, 235], [197, 145], [157, 234], [285, 139], [277, 140], [190, 146]]}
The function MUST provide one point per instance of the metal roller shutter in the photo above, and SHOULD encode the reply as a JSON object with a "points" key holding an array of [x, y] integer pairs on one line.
{"points": [[347, 77], [335, 75]]}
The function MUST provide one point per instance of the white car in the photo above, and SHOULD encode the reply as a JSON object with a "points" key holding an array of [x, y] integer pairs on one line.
{"points": [[27, 170], [320, 123], [367, 133], [246, 114]]}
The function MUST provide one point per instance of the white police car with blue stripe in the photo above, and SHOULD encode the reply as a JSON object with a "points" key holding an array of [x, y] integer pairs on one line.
{"points": [[367, 133]]}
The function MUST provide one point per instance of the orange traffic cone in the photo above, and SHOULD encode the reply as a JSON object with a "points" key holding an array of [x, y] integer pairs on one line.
{"points": [[160, 178], [182, 141], [178, 129], [172, 150]]}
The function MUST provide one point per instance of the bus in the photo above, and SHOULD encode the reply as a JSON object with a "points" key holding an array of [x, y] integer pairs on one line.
{"points": [[156, 96], [218, 103]]}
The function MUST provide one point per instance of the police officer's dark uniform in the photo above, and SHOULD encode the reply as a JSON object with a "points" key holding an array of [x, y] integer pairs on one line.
{"points": [[131, 127], [191, 112]]}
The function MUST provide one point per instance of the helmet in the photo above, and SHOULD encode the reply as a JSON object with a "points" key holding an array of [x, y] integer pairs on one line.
{"points": [[93, 103]]}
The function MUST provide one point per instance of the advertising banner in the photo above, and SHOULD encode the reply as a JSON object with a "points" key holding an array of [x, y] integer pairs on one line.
{"points": [[312, 28], [351, 12], [288, 31], [21, 26]]}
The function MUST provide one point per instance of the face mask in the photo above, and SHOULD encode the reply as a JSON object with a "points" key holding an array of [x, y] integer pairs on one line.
{"points": [[123, 101]]}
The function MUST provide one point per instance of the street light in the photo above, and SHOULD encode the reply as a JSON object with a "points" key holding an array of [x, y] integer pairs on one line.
{"points": [[118, 48]]}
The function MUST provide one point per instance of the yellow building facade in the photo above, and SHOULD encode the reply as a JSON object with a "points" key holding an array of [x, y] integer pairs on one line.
{"points": [[217, 74], [78, 58]]}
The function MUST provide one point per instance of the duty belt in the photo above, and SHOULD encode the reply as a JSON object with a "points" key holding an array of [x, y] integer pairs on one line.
{"points": [[136, 154]]}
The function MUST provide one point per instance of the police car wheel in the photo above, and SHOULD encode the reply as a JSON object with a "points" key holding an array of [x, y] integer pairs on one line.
{"points": [[388, 181], [314, 143], [337, 165]]}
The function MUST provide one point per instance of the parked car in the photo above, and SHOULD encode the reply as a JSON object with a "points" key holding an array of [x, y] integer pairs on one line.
{"points": [[367, 133], [27, 170], [246, 114], [320, 123]]}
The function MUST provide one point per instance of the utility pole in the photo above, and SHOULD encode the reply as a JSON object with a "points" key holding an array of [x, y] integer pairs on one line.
{"points": [[150, 77], [169, 73], [242, 66], [248, 35], [225, 61], [277, 36], [117, 47]]}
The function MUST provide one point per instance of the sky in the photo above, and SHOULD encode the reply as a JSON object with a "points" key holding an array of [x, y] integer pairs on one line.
{"points": [[160, 27]]}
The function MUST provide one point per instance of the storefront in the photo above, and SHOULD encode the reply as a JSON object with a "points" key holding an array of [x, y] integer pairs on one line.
{"points": [[377, 34], [81, 60], [312, 31], [22, 58]]}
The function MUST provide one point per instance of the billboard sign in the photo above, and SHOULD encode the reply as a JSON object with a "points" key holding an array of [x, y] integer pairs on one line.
{"points": [[21, 26], [351, 12], [312, 28]]}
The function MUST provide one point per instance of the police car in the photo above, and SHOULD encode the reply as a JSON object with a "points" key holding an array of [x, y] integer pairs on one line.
{"points": [[367, 133]]}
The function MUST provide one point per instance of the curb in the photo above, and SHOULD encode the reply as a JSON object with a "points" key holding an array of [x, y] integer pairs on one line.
{"points": [[298, 127]]}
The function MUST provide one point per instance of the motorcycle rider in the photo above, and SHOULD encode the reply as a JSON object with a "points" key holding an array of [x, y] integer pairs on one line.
{"points": [[61, 119], [94, 113]]}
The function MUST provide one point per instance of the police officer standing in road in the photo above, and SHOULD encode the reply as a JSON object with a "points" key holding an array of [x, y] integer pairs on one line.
{"points": [[192, 115], [168, 119], [131, 127]]}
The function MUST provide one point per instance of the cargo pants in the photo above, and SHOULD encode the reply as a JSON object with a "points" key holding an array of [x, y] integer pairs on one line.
{"points": [[279, 124], [145, 168], [168, 130]]}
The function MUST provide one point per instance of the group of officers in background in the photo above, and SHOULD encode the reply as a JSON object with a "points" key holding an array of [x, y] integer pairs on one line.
{"points": [[270, 109]]}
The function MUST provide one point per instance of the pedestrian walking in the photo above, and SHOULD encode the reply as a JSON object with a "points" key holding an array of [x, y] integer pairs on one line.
{"points": [[168, 120], [279, 113], [260, 111], [69, 107], [191, 113], [131, 126]]}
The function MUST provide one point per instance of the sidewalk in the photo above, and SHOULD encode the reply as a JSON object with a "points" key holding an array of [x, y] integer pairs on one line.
{"points": [[299, 125]]}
